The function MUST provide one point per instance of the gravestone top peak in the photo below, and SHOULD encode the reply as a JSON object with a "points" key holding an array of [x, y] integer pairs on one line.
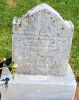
{"points": [[42, 7], [17, 21], [41, 41]]}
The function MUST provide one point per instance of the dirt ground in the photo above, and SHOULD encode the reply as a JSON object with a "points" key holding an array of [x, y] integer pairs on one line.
{"points": [[77, 92]]}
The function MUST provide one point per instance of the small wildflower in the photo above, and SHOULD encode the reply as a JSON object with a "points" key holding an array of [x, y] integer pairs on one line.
{"points": [[4, 59], [14, 66]]}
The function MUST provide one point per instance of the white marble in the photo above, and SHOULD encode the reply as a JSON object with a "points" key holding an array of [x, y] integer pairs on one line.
{"points": [[40, 87], [41, 42]]}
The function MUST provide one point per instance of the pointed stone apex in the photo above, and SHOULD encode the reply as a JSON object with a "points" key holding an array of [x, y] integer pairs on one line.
{"points": [[40, 8]]}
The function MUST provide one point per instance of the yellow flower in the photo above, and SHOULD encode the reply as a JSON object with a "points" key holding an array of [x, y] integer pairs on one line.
{"points": [[14, 66], [4, 59]]}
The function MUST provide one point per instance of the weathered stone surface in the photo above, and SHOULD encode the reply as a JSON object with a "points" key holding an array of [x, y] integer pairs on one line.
{"points": [[41, 42], [40, 87]]}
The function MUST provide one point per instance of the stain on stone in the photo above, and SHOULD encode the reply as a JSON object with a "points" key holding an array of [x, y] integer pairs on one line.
{"points": [[18, 40], [32, 15], [16, 21], [48, 12], [51, 17], [27, 16], [53, 42], [72, 30], [58, 34], [55, 50], [30, 70], [53, 21], [38, 38], [28, 21], [62, 28]]}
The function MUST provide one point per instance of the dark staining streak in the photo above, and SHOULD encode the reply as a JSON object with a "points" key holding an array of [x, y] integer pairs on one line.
{"points": [[55, 50], [16, 21], [62, 28], [57, 34], [30, 42], [46, 35], [48, 12], [72, 30], [53, 42], [55, 62], [53, 21], [28, 16], [32, 15], [38, 38], [51, 17], [30, 70], [20, 25], [28, 21], [18, 40]]}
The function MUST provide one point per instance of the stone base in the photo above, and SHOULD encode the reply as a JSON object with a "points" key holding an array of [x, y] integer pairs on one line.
{"points": [[28, 87]]}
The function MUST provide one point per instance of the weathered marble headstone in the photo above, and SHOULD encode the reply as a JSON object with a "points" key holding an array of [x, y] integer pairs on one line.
{"points": [[41, 42]]}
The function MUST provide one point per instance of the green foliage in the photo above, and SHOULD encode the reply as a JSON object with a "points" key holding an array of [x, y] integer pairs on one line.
{"points": [[69, 9], [12, 69]]}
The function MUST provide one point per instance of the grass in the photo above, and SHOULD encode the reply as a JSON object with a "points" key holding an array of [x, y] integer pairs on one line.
{"points": [[69, 9]]}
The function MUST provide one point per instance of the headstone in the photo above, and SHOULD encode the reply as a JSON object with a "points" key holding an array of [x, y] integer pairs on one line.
{"points": [[41, 42]]}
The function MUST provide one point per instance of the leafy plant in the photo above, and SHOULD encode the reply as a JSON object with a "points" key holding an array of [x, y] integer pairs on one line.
{"points": [[13, 67]]}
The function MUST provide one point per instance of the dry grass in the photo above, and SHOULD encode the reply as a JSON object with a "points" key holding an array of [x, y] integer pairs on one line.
{"points": [[12, 2]]}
